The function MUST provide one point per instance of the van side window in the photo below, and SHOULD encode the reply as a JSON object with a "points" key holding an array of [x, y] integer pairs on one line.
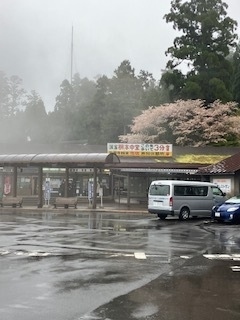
{"points": [[159, 190], [191, 191], [201, 191], [216, 191], [179, 190]]}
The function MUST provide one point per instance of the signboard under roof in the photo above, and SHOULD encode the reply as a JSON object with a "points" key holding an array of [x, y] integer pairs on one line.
{"points": [[140, 149]]}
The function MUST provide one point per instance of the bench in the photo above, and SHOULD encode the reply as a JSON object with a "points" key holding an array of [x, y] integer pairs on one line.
{"points": [[65, 202], [11, 201]]}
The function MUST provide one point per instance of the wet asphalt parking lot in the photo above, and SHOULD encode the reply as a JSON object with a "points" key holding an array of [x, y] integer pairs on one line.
{"points": [[117, 266]]}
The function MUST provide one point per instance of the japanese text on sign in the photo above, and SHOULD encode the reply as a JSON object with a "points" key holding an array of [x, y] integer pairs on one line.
{"points": [[140, 150], [224, 184]]}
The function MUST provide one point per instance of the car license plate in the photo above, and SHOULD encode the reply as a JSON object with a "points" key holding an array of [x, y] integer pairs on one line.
{"points": [[157, 203], [217, 214]]}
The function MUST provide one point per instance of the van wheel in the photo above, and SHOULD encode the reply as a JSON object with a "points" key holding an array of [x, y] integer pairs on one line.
{"points": [[184, 214], [162, 216]]}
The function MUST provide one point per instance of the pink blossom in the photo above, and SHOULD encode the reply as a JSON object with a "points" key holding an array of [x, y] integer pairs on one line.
{"points": [[188, 122]]}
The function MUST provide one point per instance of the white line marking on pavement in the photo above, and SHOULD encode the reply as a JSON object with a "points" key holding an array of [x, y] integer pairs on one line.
{"points": [[3, 252], [140, 255], [222, 256]]}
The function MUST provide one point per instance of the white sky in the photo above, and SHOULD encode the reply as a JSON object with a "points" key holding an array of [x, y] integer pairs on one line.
{"points": [[35, 39]]}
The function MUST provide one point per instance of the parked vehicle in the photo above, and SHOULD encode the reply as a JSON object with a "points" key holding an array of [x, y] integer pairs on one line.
{"points": [[229, 211], [183, 198]]}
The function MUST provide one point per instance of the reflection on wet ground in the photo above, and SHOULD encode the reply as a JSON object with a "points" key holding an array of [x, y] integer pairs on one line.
{"points": [[226, 238], [207, 292], [64, 267], [205, 287]]}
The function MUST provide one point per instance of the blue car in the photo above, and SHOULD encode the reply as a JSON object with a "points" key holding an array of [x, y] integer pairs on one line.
{"points": [[229, 211]]}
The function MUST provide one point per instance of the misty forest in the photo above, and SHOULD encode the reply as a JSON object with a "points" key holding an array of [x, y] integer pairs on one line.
{"points": [[197, 107]]}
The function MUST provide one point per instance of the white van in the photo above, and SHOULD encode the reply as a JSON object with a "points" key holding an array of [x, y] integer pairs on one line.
{"points": [[183, 198]]}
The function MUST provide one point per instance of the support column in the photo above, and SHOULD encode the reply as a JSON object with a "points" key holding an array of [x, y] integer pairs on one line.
{"points": [[128, 190], [111, 184], [66, 182], [94, 203], [40, 185], [14, 185]]}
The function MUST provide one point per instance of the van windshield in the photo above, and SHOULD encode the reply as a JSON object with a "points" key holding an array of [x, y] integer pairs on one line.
{"points": [[159, 190]]}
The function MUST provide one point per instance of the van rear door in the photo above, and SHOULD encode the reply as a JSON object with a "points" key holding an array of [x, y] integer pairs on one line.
{"points": [[159, 197]]}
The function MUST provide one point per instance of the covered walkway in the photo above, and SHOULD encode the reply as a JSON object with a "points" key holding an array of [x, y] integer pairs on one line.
{"points": [[96, 161]]}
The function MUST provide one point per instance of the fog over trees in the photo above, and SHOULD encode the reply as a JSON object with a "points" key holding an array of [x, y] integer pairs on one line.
{"points": [[197, 107]]}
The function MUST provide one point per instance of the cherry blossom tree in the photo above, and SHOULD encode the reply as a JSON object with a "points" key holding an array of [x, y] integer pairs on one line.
{"points": [[186, 123]]}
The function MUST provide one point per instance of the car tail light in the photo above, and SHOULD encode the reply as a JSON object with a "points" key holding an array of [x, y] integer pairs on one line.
{"points": [[170, 201]]}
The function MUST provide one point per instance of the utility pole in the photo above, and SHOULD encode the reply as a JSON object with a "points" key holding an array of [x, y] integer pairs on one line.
{"points": [[71, 57]]}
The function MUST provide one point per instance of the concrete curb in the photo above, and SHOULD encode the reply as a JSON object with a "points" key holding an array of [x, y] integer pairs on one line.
{"points": [[79, 210]]}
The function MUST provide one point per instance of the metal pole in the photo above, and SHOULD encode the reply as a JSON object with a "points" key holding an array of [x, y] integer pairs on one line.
{"points": [[40, 185], [71, 58], [94, 204]]}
